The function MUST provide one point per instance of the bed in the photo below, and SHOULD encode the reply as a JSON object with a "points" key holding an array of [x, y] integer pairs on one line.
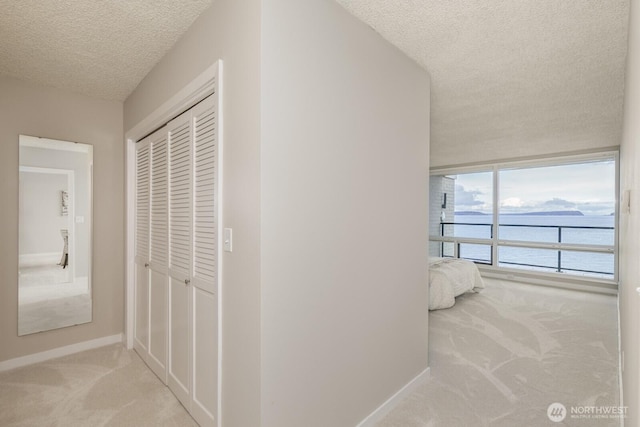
{"points": [[450, 277]]}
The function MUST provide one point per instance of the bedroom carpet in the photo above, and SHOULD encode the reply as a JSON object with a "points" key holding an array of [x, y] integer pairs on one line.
{"points": [[498, 358], [109, 386], [501, 357]]}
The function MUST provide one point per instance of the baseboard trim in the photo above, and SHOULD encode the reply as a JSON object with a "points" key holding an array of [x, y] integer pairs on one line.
{"points": [[542, 279], [394, 400], [33, 260], [59, 352]]}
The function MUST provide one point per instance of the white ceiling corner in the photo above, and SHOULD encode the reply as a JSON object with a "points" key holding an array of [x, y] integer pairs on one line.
{"points": [[98, 48]]}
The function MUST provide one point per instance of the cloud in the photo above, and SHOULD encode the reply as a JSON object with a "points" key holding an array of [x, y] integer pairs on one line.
{"points": [[467, 198], [512, 202]]}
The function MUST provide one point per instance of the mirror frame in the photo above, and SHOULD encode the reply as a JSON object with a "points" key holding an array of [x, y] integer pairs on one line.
{"points": [[73, 248]]}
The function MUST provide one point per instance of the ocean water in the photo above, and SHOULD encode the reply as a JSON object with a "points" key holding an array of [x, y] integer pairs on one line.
{"points": [[540, 228]]}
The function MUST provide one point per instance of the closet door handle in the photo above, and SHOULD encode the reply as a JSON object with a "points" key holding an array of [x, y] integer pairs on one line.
{"points": [[146, 264], [187, 281]]}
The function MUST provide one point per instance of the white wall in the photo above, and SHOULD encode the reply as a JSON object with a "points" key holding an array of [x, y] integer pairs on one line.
{"points": [[40, 214], [348, 182], [40, 111], [344, 173], [630, 226], [229, 30]]}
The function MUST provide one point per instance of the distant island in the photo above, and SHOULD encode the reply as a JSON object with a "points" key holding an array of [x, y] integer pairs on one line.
{"points": [[470, 213], [551, 213], [546, 213]]}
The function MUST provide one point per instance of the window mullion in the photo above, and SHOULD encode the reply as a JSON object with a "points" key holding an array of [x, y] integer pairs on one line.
{"points": [[496, 218]]}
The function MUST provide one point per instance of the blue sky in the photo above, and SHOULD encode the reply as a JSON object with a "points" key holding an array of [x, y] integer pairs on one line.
{"points": [[587, 187]]}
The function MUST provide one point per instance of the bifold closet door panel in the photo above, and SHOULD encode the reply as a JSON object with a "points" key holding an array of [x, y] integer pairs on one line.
{"points": [[179, 380], [141, 261], [204, 272], [206, 154], [205, 357], [141, 295], [158, 323], [159, 255], [180, 132]]}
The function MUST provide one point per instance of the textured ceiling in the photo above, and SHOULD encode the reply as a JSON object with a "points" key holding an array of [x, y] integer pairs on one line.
{"points": [[101, 48], [529, 71], [505, 71]]}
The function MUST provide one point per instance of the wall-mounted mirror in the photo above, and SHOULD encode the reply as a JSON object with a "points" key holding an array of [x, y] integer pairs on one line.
{"points": [[55, 234]]}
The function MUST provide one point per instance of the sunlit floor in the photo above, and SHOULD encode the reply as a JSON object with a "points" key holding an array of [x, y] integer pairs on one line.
{"points": [[501, 357], [48, 299]]}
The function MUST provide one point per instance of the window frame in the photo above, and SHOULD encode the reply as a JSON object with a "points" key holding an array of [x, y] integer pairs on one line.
{"points": [[496, 242]]}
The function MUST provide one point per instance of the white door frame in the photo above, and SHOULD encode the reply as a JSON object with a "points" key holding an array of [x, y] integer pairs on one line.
{"points": [[194, 92], [208, 82]]}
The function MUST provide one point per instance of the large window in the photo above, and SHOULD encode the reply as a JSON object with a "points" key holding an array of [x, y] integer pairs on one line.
{"points": [[557, 216]]}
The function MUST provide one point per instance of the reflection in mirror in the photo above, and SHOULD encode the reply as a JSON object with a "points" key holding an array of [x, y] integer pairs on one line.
{"points": [[55, 223]]}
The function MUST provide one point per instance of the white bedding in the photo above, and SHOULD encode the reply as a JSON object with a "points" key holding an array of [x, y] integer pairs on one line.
{"points": [[450, 277]]}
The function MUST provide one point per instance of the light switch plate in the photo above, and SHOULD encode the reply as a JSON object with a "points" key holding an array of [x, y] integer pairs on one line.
{"points": [[228, 240]]}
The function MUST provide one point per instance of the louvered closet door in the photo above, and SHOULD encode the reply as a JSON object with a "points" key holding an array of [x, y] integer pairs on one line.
{"points": [[141, 262], [159, 255], [180, 133], [205, 262], [205, 196]]}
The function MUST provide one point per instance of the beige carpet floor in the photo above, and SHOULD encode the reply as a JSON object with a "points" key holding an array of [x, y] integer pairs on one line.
{"points": [[498, 358], [109, 386], [47, 299], [501, 357]]}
